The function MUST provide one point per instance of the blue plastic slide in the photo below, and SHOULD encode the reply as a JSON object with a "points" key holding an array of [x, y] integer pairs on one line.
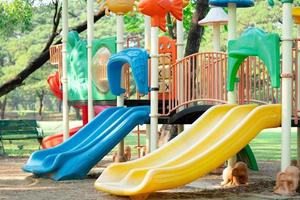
{"points": [[74, 158]]}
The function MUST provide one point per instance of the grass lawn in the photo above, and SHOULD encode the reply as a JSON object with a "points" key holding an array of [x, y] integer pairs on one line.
{"points": [[266, 146]]}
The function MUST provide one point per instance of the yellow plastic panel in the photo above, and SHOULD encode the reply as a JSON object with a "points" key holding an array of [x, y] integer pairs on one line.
{"points": [[296, 15], [216, 136]]}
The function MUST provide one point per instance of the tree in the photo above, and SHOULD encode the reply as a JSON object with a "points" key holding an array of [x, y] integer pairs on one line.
{"points": [[44, 55], [15, 15], [196, 32]]}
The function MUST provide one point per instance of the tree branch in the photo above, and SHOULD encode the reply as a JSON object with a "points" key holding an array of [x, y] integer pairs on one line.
{"points": [[39, 61], [56, 20]]}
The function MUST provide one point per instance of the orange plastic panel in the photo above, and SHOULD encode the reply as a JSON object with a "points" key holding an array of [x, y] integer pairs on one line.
{"points": [[157, 10]]}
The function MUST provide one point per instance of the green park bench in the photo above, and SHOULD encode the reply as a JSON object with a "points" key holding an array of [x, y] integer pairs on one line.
{"points": [[19, 130]]}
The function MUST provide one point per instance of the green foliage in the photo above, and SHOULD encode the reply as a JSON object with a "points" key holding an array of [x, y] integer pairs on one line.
{"points": [[15, 15], [134, 22], [188, 15]]}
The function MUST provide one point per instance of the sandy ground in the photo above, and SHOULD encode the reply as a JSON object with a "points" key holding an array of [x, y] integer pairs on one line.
{"points": [[15, 184]]}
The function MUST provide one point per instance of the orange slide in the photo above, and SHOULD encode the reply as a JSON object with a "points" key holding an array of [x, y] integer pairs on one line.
{"points": [[55, 87], [56, 139]]}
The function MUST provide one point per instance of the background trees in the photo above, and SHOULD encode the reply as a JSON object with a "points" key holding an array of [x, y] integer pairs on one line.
{"points": [[29, 27]]}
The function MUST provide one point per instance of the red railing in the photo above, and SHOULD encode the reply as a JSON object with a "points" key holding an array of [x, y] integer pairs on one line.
{"points": [[295, 84], [56, 56], [204, 80]]}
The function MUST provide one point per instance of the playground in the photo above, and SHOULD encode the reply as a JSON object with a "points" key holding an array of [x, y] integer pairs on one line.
{"points": [[160, 118]]}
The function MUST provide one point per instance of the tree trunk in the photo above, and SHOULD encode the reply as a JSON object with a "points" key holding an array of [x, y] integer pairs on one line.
{"points": [[41, 99], [77, 112], [59, 106], [171, 27], [40, 60], [196, 32], [3, 107]]}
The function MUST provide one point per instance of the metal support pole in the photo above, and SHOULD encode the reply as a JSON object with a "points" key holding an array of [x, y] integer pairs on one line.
{"points": [[216, 48], [231, 36], [180, 55], [120, 47], [287, 33], [216, 38], [147, 33], [148, 48], [90, 37], [64, 78], [148, 139], [120, 99], [298, 103], [154, 88]]}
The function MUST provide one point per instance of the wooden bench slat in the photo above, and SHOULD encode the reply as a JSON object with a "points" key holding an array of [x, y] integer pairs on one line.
{"points": [[20, 130]]}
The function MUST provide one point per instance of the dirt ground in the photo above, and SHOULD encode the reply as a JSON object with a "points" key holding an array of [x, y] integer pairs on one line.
{"points": [[15, 184]]}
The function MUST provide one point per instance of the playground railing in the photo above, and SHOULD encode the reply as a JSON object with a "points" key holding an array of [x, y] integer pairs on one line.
{"points": [[204, 82], [296, 83], [56, 56], [198, 78]]}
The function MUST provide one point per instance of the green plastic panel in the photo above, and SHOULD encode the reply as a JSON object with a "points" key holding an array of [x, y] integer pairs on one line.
{"points": [[254, 42], [77, 67], [247, 156]]}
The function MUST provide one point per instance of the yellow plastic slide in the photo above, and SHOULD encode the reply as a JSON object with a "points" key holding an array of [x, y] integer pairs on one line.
{"points": [[217, 135]]}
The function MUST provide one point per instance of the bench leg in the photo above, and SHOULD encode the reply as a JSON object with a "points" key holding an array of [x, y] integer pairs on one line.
{"points": [[40, 140], [2, 148]]}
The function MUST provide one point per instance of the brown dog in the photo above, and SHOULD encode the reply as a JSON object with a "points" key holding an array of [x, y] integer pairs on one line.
{"points": [[287, 181], [127, 155], [236, 176]]}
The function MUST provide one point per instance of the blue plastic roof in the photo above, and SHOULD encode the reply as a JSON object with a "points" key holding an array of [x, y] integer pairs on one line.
{"points": [[138, 60], [239, 3]]}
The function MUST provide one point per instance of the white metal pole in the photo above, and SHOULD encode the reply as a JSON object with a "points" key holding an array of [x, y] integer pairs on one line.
{"points": [[287, 26], [231, 36], [216, 48], [231, 21], [298, 103], [120, 99], [90, 37], [148, 139], [147, 33], [298, 60], [148, 48], [180, 55], [120, 47], [64, 78], [154, 88], [216, 38]]}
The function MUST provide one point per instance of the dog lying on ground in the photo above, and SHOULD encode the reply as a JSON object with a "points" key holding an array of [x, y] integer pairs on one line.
{"points": [[127, 155], [236, 176], [287, 181]]}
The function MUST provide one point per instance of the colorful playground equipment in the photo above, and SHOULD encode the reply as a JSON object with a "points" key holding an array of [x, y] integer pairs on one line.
{"points": [[218, 88], [102, 134]]}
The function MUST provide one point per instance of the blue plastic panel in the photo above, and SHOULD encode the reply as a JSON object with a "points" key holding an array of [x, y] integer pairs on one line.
{"points": [[239, 3], [74, 158], [138, 60]]}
